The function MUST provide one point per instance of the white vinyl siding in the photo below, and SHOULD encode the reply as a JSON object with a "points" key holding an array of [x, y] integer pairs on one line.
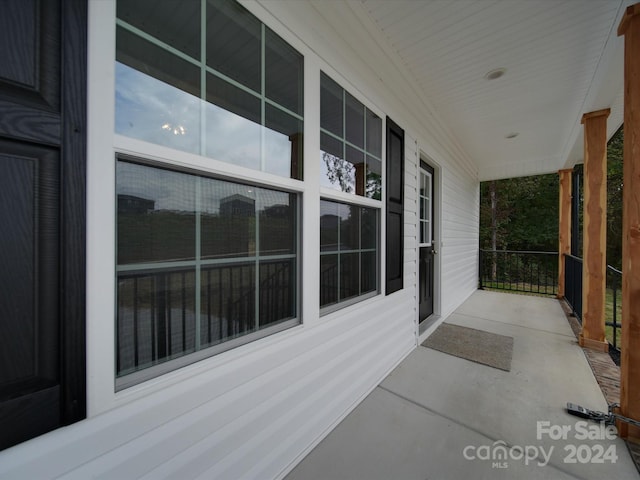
{"points": [[256, 410]]}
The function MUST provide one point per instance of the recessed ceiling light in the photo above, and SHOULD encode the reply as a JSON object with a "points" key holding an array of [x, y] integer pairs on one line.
{"points": [[495, 74], [511, 135]]}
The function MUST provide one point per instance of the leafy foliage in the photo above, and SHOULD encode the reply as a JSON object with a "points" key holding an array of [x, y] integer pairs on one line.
{"points": [[525, 211]]}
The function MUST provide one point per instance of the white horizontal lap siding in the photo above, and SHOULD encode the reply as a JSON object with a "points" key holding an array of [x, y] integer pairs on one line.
{"points": [[283, 401], [460, 226], [254, 411]]}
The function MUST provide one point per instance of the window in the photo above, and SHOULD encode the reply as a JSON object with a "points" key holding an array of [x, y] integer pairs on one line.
{"points": [[350, 162], [350, 143], [348, 252], [202, 263], [231, 90]]}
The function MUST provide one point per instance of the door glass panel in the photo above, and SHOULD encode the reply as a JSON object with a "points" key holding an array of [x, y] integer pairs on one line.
{"points": [[425, 208]]}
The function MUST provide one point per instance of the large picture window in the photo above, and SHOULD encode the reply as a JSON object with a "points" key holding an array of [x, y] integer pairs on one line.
{"points": [[350, 143], [228, 88], [348, 252], [203, 264]]}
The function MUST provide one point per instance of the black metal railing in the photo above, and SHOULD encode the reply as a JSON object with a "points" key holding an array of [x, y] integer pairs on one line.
{"points": [[519, 271], [613, 303], [573, 284], [157, 318], [613, 308]]}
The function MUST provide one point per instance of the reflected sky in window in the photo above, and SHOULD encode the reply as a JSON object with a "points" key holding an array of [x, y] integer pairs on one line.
{"points": [[154, 111]]}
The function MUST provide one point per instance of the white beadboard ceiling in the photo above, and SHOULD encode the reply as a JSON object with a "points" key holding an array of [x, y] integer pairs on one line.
{"points": [[563, 58]]}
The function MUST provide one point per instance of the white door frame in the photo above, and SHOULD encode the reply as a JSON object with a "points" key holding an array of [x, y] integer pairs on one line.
{"points": [[425, 329]]}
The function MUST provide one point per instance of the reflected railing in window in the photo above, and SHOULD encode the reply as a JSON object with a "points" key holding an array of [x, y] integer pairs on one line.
{"points": [[202, 263]]}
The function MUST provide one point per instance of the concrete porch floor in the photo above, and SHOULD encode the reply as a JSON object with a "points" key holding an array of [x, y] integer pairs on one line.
{"points": [[441, 417]]}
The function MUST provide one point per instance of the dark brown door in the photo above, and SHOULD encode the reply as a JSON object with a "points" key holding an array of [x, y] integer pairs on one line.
{"points": [[42, 219]]}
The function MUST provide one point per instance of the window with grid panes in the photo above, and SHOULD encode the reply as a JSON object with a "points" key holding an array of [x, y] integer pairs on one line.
{"points": [[204, 264], [350, 162]]}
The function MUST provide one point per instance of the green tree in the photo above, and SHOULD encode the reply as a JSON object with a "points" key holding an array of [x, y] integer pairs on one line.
{"points": [[614, 200], [520, 213]]}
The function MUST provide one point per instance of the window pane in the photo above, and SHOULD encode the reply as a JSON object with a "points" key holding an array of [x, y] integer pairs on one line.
{"points": [[156, 318], [374, 134], [156, 62], [161, 97], [175, 23], [335, 171], [329, 222], [349, 227], [277, 291], [283, 143], [328, 279], [369, 228], [233, 124], [354, 121], [373, 187], [277, 222], [349, 275], [331, 106], [227, 220], [352, 233], [368, 274], [158, 106], [356, 160], [233, 42], [358, 133], [227, 304], [283, 73], [156, 214]]}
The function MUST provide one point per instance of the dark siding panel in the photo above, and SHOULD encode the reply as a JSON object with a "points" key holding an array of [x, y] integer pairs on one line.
{"points": [[395, 207]]}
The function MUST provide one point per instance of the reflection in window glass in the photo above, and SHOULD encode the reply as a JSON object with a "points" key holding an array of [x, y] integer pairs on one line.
{"points": [[350, 143], [174, 23], [156, 215], [233, 42], [283, 73], [201, 261], [245, 110], [348, 252]]}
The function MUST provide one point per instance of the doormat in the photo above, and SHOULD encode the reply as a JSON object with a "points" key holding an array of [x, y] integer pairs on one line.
{"points": [[475, 345]]}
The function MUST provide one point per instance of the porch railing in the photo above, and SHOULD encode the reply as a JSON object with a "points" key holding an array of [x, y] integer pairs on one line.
{"points": [[573, 284], [613, 304], [613, 307], [519, 271]]}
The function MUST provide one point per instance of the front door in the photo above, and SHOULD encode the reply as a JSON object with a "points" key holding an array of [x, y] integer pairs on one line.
{"points": [[426, 242]]}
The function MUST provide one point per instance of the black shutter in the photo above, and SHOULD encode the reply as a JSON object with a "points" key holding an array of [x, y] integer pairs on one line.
{"points": [[395, 207], [42, 216]]}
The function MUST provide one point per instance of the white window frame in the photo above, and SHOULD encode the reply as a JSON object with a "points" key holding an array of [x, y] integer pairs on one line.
{"points": [[334, 195], [102, 147]]}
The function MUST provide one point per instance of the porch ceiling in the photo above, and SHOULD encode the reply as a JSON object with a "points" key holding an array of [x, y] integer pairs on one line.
{"points": [[562, 59]]}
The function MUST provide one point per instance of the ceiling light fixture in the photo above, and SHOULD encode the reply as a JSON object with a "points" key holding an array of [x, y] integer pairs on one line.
{"points": [[495, 74]]}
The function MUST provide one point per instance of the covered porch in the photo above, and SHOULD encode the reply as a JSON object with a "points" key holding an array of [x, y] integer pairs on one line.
{"points": [[433, 414]]}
